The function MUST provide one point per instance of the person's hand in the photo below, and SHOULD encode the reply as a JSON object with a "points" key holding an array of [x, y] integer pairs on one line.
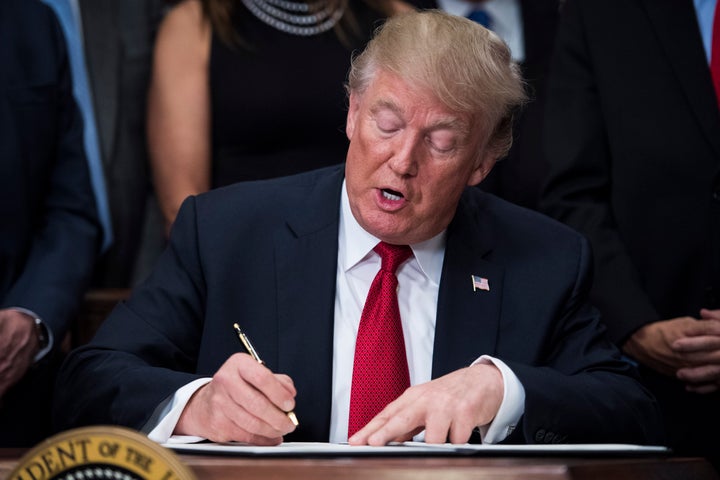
{"points": [[18, 346], [652, 345], [684, 347], [447, 408], [700, 349], [244, 402]]}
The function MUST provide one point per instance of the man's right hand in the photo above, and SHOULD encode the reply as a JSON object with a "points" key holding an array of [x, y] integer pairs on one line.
{"points": [[244, 402], [18, 346]]}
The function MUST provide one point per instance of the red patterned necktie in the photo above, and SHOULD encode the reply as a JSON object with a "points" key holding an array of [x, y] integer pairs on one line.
{"points": [[380, 370], [715, 53]]}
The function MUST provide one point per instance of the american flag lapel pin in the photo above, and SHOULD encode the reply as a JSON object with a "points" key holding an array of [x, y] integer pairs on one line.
{"points": [[480, 283]]}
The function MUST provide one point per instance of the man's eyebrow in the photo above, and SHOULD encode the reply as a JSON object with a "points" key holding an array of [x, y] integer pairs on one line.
{"points": [[384, 104], [449, 122]]}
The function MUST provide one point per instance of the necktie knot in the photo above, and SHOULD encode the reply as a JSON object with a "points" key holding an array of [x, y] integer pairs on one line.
{"points": [[392, 255]]}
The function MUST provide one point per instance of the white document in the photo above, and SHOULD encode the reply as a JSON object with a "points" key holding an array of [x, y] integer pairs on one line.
{"points": [[417, 448]]}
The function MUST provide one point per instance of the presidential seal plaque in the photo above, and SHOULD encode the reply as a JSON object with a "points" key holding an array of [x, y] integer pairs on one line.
{"points": [[100, 453]]}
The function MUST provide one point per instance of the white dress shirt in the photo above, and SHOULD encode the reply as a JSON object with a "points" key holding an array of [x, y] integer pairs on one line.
{"points": [[419, 283]]}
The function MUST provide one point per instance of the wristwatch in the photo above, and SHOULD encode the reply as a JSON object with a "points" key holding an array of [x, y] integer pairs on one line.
{"points": [[42, 334]]}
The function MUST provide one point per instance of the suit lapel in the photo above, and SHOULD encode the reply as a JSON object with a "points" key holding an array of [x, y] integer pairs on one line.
{"points": [[467, 319], [676, 28], [100, 32], [306, 262]]}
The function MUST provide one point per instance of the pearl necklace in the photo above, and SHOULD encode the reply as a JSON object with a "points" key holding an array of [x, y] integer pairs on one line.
{"points": [[297, 18]]}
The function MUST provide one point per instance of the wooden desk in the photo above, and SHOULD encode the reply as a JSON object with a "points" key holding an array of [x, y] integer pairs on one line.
{"points": [[419, 468]]}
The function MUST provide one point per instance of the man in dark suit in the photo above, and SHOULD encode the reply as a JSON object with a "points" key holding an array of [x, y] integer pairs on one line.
{"points": [[118, 39], [491, 301], [50, 232], [633, 135]]}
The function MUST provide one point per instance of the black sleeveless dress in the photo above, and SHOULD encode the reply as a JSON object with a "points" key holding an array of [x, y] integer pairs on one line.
{"points": [[279, 107]]}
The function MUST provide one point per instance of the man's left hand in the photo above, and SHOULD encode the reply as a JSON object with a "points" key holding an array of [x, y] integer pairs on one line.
{"points": [[447, 408], [700, 349], [18, 346]]}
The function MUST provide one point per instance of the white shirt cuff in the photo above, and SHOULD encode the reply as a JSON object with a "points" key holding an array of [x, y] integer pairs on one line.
{"points": [[511, 408], [163, 431]]}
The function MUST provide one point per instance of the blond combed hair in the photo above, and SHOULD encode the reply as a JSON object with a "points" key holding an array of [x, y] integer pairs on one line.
{"points": [[466, 66]]}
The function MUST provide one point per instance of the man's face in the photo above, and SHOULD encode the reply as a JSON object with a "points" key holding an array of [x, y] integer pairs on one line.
{"points": [[409, 160]]}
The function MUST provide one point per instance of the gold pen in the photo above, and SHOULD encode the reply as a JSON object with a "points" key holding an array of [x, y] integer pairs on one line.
{"points": [[253, 353]]}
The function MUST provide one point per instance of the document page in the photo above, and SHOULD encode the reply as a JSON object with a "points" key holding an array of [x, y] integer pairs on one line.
{"points": [[417, 448]]}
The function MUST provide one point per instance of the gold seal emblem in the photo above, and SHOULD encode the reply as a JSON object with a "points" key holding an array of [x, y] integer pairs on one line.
{"points": [[100, 453]]}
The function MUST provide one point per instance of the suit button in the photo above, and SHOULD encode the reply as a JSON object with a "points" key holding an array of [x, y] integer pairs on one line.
{"points": [[540, 436], [716, 195]]}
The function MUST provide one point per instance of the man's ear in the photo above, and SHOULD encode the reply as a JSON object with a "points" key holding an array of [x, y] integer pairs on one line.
{"points": [[352, 115], [483, 164]]}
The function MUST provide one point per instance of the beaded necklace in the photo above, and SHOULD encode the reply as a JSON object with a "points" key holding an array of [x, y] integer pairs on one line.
{"points": [[298, 18]]}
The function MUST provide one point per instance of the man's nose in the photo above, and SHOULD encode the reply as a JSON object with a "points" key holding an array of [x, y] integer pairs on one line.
{"points": [[404, 160]]}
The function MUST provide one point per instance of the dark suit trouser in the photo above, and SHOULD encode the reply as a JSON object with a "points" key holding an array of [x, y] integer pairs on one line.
{"points": [[25, 410]]}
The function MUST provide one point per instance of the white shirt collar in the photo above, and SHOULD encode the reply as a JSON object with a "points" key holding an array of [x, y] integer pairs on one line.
{"points": [[356, 244]]}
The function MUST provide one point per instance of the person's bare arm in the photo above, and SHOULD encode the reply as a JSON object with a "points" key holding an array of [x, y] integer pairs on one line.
{"points": [[178, 108]]}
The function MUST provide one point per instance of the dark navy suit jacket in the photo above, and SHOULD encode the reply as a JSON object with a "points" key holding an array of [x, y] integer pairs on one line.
{"points": [[633, 140], [48, 224], [264, 254]]}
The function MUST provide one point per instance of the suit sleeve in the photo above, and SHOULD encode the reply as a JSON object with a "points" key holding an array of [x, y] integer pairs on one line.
{"points": [[147, 348], [64, 243], [582, 391], [579, 182]]}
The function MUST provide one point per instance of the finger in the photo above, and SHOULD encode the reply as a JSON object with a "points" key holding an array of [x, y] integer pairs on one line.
{"points": [[287, 383], [266, 382], [702, 327], [234, 426], [705, 343], [212, 414], [460, 431], [362, 436], [245, 424], [237, 381], [700, 375], [699, 359], [702, 389], [437, 428], [400, 419], [708, 314], [222, 409], [263, 414], [409, 436]]}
